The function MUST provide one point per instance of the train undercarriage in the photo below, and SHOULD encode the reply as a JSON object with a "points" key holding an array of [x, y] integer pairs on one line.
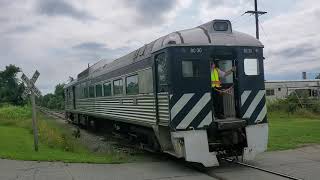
{"points": [[201, 146]]}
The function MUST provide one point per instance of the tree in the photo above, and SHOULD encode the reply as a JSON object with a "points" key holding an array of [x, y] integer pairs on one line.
{"points": [[59, 96], [10, 89], [318, 76], [53, 101], [59, 91]]}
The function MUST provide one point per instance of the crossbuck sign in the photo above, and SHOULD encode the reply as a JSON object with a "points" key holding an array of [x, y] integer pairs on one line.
{"points": [[34, 91], [30, 85]]}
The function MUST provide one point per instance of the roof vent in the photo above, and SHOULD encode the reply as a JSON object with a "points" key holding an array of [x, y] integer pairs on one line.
{"points": [[221, 26]]}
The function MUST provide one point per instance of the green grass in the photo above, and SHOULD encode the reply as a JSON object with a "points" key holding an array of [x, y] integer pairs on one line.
{"points": [[289, 132], [56, 141], [17, 143]]}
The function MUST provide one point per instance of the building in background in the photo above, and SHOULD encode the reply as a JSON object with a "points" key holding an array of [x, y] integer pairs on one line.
{"points": [[279, 89]]}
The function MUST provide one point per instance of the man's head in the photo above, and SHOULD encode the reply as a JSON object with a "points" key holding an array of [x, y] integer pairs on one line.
{"points": [[214, 64]]}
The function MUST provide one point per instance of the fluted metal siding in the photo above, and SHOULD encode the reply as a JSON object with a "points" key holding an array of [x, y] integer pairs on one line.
{"points": [[138, 109], [229, 105], [163, 102], [68, 105]]}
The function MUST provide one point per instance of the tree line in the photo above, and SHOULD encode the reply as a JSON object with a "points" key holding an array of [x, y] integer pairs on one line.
{"points": [[11, 90], [53, 100]]}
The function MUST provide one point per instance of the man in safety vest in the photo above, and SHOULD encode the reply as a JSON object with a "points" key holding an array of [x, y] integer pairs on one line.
{"points": [[216, 75]]}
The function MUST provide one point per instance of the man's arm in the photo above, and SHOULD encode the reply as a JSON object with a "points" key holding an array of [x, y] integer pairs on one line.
{"points": [[227, 73]]}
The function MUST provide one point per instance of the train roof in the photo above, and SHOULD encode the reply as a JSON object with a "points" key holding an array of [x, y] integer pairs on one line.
{"points": [[215, 32]]}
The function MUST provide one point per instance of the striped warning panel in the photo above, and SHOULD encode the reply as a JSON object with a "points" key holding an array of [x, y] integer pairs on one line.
{"points": [[253, 105], [191, 111]]}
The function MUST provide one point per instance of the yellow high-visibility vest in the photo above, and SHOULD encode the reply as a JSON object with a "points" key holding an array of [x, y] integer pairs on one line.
{"points": [[215, 80]]}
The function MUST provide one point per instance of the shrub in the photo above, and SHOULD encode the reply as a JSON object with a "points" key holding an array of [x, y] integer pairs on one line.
{"points": [[291, 105], [15, 116], [53, 136], [315, 107], [306, 113], [49, 133]]}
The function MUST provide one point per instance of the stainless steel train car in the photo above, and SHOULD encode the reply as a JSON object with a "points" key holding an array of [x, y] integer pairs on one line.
{"points": [[161, 93]]}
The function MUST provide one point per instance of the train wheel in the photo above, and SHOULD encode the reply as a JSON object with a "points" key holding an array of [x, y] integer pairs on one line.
{"points": [[153, 143]]}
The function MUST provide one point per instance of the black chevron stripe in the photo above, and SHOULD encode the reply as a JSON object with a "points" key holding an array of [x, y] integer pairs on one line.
{"points": [[187, 108]]}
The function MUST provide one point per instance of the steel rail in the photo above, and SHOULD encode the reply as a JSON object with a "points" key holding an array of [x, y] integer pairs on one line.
{"points": [[261, 169]]}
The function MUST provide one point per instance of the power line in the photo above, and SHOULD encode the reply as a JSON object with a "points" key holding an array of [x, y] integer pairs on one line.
{"points": [[236, 18], [264, 32], [256, 13], [245, 20]]}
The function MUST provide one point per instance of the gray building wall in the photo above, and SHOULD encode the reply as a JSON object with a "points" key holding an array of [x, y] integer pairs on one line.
{"points": [[280, 89]]}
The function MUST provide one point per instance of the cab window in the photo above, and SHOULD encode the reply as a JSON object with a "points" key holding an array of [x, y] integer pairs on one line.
{"points": [[190, 69], [251, 67], [162, 73], [226, 65]]}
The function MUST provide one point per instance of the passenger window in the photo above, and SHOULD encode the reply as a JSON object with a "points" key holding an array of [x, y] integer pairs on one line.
{"points": [[251, 67], [91, 91], [145, 81], [270, 92], [107, 89], [78, 91], [85, 92], [67, 94], [118, 87], [190, 69], [315, 93], [303, 92], [162, 71], [132, 86], [98, 90]]}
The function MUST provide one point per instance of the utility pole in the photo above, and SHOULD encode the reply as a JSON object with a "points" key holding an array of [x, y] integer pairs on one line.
{"points": [[34, 121], [256, 13]]}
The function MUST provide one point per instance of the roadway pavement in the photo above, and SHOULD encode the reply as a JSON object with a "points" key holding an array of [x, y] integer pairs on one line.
{"points": [[28, 170], [302, 163]]}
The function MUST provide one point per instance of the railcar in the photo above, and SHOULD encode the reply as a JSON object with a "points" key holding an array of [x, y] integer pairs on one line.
{"points": [[162, 94]]}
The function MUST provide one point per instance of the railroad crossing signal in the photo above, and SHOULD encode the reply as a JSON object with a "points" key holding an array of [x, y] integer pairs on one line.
{"points": [[30, 85], [34, 91]]}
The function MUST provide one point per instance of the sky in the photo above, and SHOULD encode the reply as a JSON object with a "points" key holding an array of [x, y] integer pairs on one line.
{"points": [[60, 37]]}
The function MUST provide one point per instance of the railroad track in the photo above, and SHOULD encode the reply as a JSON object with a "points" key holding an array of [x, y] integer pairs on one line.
{"points": [[261, 169], [53, 113], [194, 166], [117, 140]]}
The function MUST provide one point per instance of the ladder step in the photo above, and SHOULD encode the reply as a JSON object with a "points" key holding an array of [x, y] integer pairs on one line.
{"points": [[230, 123]]}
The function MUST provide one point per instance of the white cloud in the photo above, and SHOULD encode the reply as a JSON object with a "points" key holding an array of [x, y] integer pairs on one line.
{"points": [[223, 9], [45, 41], [290, 36], [292, 41], [45, 37]]}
